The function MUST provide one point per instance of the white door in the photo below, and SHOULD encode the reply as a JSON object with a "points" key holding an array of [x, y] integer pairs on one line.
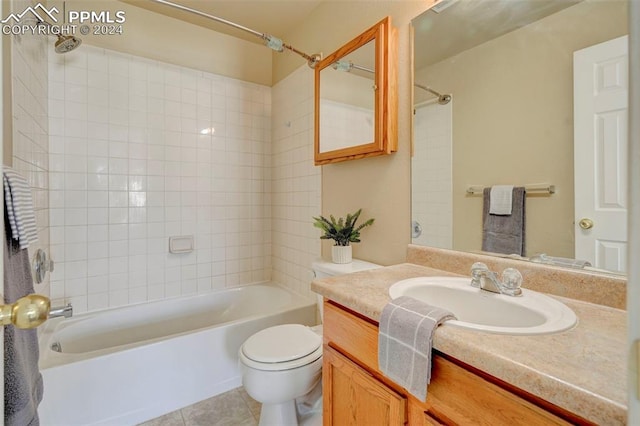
{"points": [[600, 153]]}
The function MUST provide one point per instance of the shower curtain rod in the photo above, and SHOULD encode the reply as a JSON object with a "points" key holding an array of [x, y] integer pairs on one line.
{"points": [[428, 89], [272, 42], [442, 99], [347, 66]]}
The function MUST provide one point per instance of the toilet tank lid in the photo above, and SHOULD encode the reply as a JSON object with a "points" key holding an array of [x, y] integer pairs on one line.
{"points": [[331, 268]]}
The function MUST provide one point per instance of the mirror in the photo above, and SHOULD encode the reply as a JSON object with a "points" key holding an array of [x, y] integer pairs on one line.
{"points": [[356, 98], [508, 67]]}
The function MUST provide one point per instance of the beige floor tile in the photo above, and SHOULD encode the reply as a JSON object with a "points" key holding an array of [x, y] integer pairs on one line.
{"points": [[171, 419], [254, 405], [227, 409]]}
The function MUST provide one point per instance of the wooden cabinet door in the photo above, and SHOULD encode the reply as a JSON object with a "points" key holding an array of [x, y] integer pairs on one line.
{"points": [[352, 397]]}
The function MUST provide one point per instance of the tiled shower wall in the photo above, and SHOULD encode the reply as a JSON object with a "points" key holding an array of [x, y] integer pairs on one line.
{"points": [[344, 125], [30, 125], [296, 182], [141, 151], [431, 175]]}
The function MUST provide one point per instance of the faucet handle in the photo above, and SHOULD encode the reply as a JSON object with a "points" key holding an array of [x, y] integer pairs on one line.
{"points": [[478, 266], [476, 270], [511, 281]]}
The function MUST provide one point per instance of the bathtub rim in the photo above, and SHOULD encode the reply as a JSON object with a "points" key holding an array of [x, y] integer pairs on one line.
{"points": [[51, 359]]}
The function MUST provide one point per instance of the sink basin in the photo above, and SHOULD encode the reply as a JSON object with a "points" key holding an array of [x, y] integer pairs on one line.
{"points": [[528, 314]]}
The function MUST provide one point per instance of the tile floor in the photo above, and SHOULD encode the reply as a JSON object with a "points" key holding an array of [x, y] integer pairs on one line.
{"points": [[232, 408]]}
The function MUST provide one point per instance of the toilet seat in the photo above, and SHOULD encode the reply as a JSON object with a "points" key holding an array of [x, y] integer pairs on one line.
{"points": [[282, 347]]}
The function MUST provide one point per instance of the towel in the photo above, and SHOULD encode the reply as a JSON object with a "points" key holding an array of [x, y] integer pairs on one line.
{"points": [[504, 234], [501, 199], [22, 379], [19, 207], [405, 340], [561, 261]]}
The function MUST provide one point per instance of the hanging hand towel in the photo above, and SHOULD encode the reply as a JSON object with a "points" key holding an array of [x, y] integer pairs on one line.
{"points": [[501, 199], [405, 340], [501, 233], [19, 207], [22, 378]]}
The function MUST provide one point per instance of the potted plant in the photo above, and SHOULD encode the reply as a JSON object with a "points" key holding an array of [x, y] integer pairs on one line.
{"points": [[343, 232]]}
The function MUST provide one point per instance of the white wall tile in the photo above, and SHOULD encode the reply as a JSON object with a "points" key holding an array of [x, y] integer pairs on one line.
{"points": [[295, 183], [432, 203], [132, 168]]}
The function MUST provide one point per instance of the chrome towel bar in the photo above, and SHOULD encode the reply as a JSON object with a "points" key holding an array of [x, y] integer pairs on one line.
{"points": [[540, 188]]}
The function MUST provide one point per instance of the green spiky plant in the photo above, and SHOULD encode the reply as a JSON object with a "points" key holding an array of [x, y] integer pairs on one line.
{"points": [[342, 231]]}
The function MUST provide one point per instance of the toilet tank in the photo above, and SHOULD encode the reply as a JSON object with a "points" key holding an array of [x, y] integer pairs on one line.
{"points": [[323, 269]]}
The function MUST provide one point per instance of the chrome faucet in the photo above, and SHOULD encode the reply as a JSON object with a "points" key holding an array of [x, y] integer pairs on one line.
{"points": [[61, 311], [484, 279]]}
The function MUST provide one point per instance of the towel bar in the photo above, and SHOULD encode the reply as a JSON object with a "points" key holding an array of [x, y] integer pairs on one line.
{"points": [[542, 188]]}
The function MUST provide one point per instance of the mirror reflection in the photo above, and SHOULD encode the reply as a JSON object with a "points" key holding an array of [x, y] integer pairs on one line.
{"points": [[510, 68], [347, 100]]}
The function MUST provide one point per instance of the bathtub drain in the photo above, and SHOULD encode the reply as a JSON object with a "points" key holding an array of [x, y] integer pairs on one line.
{"points": [[56, 346]]}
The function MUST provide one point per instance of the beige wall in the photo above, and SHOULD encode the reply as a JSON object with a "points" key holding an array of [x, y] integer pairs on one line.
{"points": [[513, 119], [380, 185], [155, 36]]}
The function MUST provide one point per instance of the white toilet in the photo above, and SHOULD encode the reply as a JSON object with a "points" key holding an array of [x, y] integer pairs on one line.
{"points": [[283, 363]]}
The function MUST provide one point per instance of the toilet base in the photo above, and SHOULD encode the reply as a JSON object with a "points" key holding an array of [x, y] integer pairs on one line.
{"points": [[313, 419], [279, 414]]}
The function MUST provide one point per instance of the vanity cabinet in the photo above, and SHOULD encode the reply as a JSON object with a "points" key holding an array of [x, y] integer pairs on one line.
{"points": [[356, 392], [353, 396]]}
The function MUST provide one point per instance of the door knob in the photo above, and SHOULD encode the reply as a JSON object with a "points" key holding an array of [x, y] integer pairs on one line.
{"points": [[586, 223], [27, 312]]}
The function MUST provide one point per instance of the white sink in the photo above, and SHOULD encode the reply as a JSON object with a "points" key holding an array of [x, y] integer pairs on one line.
{"points": [[530, 313]]}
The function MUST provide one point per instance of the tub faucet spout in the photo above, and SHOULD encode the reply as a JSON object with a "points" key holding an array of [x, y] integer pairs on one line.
{"points": [[61, 311]]}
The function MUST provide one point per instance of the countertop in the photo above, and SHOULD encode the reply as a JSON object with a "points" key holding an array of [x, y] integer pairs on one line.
{"points": [[582, 370]]}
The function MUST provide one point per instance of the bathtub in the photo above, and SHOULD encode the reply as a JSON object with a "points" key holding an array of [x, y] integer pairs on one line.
{"points": [[131, 364]]}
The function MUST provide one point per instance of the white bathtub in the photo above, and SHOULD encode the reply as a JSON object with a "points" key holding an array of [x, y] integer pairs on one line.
{"points": [[128, 365]]}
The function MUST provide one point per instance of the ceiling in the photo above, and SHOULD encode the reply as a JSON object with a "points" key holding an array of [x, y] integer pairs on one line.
{"points": [[275, 17], [464, 24]]}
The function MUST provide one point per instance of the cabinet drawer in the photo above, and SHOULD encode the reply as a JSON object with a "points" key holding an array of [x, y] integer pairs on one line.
{"points": [[353, 336], [458, 396], [431, 420]]}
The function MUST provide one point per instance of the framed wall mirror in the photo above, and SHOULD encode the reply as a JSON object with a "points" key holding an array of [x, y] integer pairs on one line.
{"points": [[356, 98], [513, 115]]}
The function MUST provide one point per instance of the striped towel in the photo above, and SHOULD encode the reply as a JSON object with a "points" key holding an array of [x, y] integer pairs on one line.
{"points": [[19, 207]]}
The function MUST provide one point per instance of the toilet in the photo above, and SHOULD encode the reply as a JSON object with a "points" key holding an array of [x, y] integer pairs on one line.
{"points": [[282, 364]]}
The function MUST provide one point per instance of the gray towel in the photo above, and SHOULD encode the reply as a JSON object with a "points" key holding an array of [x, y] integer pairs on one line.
{"points": [[504, 233], [405, 340], [22, 378]]}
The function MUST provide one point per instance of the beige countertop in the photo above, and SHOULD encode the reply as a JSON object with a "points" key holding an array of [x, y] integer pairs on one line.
{"points": [[582, 370]]}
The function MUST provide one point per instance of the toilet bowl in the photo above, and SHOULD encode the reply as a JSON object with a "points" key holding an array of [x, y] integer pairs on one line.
{"points": [[280, 364], [283, 363]]}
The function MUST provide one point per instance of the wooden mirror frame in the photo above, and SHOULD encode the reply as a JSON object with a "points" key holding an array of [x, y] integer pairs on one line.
{"points": [[385, 96]]}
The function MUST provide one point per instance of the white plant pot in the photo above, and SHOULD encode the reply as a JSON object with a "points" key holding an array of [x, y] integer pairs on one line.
{"points": [[341, 254]]}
